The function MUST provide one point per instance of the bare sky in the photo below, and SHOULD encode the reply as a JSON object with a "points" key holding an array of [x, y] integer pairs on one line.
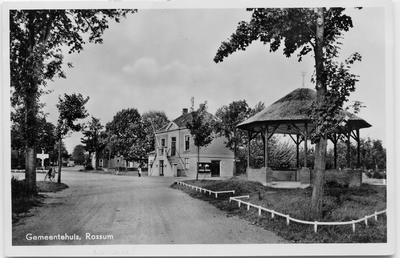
{"points": [[157, 59]]}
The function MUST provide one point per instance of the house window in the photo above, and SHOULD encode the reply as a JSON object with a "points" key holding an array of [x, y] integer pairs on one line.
{"points": [[187, 163], [204, 167], [162, 147], [187, 142], [173, 146]]}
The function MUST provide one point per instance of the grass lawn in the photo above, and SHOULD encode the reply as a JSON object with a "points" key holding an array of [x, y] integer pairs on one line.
{"points": [[340, 204], [23, 199]]}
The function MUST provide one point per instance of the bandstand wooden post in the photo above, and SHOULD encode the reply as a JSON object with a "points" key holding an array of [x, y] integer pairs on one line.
{"points": [[305, 144]]}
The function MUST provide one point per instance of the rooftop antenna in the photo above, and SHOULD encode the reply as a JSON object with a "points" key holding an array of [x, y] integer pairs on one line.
{"points": [[303, 73]]}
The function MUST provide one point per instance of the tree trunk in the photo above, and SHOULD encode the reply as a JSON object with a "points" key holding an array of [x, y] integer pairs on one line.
{"points": [[320, 147], [30, 167], [109, 161], [59, 161], [30, 134], [198, 162], [234, 160]]}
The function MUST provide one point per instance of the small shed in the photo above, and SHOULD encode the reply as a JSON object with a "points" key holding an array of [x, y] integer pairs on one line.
{"points": [[291, 115]]}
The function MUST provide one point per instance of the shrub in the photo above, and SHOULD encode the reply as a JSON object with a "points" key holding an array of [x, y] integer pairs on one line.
{"points": [[379, 175], [335, 184], [88, 167], [23, 197], [21, 189]]}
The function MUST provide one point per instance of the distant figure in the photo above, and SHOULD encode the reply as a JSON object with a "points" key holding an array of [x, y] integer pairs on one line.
{"points": [[50, 174], [140, 171]]}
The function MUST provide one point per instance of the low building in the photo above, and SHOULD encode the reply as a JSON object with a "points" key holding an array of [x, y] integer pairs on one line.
{"points": [[176, 154]]}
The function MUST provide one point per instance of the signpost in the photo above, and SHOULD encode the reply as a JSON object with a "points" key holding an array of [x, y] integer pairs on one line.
{"points": [[42, 157]]}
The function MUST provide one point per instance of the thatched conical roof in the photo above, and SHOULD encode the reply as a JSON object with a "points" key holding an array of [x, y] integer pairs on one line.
{"points": [[293, 109]]}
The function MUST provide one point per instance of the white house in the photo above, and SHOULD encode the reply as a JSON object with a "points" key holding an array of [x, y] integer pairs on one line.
{"points": [[176, 154]]}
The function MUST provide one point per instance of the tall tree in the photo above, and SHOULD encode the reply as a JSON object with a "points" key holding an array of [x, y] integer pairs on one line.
{"points": [[305, 30], [46, 136], [152, 122], [229, 117], [78, 154], [125, 133], [70, 108], [91, 138], [201, 126], [55, 154], [36, 41]]}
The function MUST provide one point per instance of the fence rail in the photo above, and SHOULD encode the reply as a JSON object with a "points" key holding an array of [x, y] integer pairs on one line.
{"points": [[197, 188], [315, 223], [23, 171]]}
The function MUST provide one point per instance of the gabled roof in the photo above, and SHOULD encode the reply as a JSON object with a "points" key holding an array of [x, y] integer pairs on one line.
{"points": [[180, 122], [294, 108]]}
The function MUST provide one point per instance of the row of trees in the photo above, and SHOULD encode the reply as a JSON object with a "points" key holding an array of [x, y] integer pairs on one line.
{"points": [[282, 153], [129, 134], [48, 136], [36, 56], [36, 38]]}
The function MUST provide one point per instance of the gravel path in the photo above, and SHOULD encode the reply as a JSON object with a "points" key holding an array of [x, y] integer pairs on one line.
{"points": [[101, 209]]}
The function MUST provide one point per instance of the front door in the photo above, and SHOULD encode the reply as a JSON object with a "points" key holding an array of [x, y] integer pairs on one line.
{"points": [[161, 169], [215, 168]]}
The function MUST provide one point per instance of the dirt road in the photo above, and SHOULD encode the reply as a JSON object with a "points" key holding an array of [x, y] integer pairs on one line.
{"points": [[108, 209]]}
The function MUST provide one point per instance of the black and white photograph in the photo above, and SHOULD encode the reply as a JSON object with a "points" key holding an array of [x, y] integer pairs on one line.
{"points": [[197, 128]]}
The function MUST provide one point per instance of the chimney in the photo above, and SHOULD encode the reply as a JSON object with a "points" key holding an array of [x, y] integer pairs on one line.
{"points": [[184, 111]]}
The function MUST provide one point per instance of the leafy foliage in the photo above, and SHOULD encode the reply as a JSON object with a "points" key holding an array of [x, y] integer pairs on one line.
{"points": [[229, 117], [372, 154], [37, 36], [46, 135], [125, 133], [78, 154], [152, 122], [70, 108], [200, 125], [36, 56], [305, 30], [340, 83], [92, 137], [295, 28]]}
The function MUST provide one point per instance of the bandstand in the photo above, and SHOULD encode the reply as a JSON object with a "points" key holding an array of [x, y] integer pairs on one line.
{"points": [[291, 115]]}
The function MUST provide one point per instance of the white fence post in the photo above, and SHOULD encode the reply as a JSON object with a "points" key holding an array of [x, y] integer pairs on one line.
{"points": [[260, 208]]}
